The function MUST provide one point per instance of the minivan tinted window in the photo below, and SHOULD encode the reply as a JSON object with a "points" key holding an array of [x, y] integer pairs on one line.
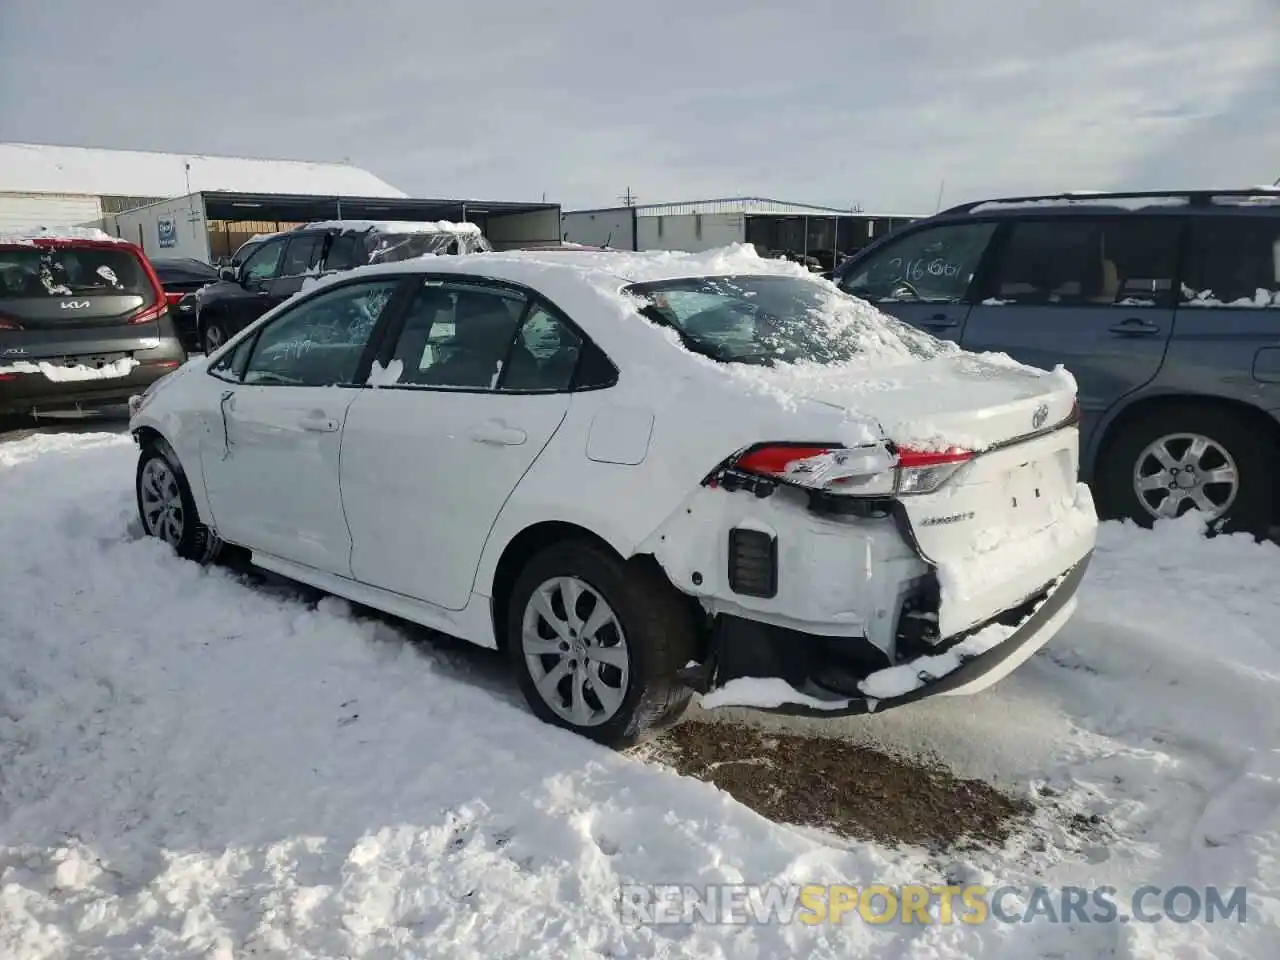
{"points": [[1125, 261], [1233, 261], [31, 272]]}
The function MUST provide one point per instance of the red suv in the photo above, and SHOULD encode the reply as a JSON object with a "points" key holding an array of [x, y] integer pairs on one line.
{"points": [[83, 323]]}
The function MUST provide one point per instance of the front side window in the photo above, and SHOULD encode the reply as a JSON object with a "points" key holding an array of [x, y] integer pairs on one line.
{"points": [[264, 262], [1233, 261], [934, 265], [320, 342], [459, 335], [1118, 261], [303, 254], [767, 320], [230, 366]]}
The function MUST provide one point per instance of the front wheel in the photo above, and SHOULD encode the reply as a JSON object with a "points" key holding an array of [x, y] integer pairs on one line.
{"points": [[596, 643], [166, 507], [213, 336]]}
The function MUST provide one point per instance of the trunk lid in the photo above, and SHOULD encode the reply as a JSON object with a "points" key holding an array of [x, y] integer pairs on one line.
{"points": [[1010, 518], [62, 286], [970, 401]]}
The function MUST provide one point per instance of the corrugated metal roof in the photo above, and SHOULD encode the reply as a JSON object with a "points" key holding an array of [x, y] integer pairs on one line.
{"points": [[42, 168], [761, 205]]}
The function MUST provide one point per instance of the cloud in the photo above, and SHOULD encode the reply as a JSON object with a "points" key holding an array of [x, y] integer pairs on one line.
{"points": [[826, 101]]}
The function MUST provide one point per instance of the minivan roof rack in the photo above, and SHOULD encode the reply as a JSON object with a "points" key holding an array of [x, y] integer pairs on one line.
{"points": [[1195, 198]]}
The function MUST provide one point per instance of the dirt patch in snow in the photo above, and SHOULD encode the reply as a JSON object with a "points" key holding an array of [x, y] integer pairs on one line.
{"points": [[848, 789]]}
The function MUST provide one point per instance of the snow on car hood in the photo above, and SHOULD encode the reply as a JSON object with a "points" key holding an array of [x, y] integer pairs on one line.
{"points": [[956, 399]]}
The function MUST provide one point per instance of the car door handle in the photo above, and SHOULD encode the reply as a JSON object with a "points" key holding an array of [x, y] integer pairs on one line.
{"points": [[498, 433], [318, 424], [940, 321], [1134, 327]]}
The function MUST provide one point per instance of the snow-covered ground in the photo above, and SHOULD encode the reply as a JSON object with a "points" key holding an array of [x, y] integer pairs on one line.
{"points": [[194, 766]]}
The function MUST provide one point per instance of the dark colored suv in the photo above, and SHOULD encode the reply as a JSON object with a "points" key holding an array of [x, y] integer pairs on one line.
{"points": [[83, 323], [181, 278], [279, 266], [1165, 306]]}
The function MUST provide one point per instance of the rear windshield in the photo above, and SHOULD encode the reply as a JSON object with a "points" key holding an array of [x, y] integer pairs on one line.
{"points": [[37, 272], [768, 320], [393, 247]]}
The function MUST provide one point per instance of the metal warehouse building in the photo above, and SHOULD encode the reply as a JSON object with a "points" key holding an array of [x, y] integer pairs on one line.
{"points": [[775, 227], [200, 206]]}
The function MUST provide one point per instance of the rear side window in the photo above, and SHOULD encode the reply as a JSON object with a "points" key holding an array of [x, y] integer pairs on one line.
{"points": [[934, 265], [344, 252], [1122, 261], [30, 272], [302, 255], [1233, 261], [458, 335]]}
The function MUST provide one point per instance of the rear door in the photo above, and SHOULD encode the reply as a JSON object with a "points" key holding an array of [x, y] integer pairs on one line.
{"points": [[80, 304], [923, 277], [477, 386], [1095, 294]]}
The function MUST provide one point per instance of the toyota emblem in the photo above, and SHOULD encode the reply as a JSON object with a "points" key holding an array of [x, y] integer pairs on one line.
{"points": [[1040, 416]]}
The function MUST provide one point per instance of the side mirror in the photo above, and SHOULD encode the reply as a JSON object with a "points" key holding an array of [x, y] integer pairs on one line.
{"points": [[227, 273]]}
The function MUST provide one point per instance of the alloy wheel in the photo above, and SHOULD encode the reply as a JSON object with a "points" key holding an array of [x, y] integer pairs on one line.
{"points": [[213, 338], [1180, 472], [161, 499], [575, 651]]}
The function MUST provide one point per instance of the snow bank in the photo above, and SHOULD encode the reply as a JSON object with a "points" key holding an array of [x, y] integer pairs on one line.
{"points": [[192, 767]]}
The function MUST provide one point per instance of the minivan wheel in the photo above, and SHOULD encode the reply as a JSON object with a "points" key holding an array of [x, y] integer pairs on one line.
{"points": [[1189, 458], [214, 336], [166, 507], [596, 643]]}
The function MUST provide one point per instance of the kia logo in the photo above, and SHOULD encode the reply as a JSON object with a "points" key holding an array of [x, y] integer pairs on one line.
{"points": [[74, 304], [1040, 416]]}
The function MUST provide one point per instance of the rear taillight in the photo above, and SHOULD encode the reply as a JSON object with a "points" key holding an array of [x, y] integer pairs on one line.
{"points": [[171, 298], [874, 470], [150, 314], [9, 323]]}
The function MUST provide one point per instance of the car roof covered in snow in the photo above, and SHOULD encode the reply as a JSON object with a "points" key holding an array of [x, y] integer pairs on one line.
{"points": [[396, 226], [554, 270], [35, 235]]}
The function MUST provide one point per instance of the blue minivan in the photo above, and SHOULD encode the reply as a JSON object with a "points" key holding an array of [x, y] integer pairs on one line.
{"points": [[1164, 305]]}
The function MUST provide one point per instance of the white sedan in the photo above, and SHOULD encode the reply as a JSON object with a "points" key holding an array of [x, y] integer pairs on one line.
{"points": [[639, 474]]}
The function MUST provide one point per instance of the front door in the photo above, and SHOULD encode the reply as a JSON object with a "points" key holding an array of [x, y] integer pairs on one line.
{"points": [[1095, 295], [923, 276], [272, 472], [476, 388], [253, 299]]}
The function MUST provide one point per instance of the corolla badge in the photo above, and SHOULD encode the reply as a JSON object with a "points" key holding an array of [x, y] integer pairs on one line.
{"points": [[1040, 416], [74, 304]]}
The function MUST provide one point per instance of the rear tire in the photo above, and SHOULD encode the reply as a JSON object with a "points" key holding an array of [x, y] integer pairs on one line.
{"points": [[1157, 447], [625, 671], [167, 508]]}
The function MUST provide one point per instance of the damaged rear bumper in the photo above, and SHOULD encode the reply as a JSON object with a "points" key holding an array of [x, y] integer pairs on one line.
{"points": [[970, 672]]}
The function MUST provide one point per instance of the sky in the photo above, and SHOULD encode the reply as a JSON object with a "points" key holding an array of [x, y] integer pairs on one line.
{"points": [[868, 102]]}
